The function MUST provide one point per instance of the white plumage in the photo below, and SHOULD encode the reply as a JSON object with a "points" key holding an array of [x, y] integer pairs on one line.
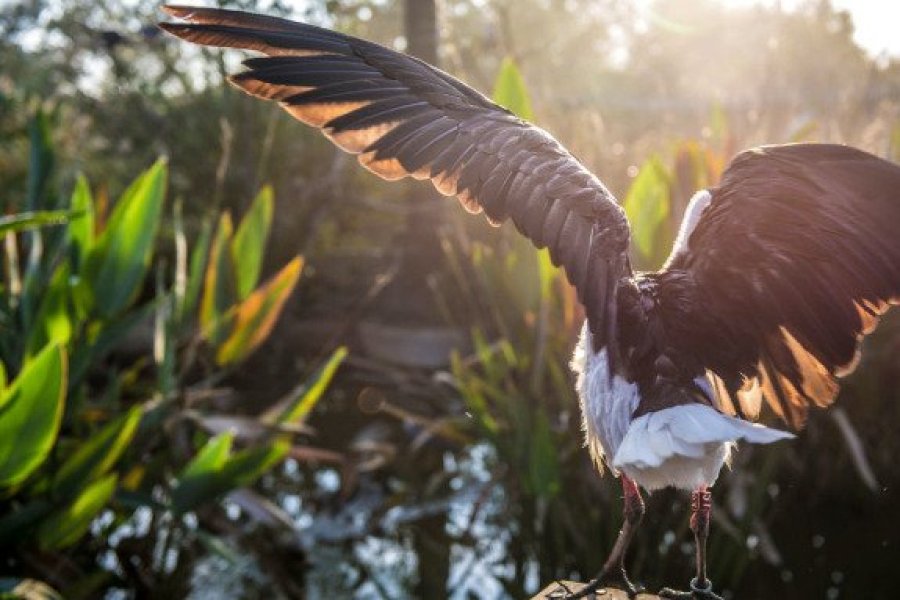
{"points": [[682, 446], [607, 402]]}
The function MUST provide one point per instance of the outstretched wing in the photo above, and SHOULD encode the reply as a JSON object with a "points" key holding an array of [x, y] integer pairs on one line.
{"points": [[794, 260], [405, 118]]}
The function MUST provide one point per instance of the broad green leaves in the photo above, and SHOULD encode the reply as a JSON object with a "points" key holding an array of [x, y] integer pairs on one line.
{"points": [[215, 470], [212, 457], [77, 292], [52, 323], [98, 454], [249, 242], [510, 91], [252, 320], [300, 404], [660, 193], [234, 317], [32, 220], [30, 412], [81, 231], [647, 207], [195, 273], [41, 160], [543, 463], [65, 527], [79, 489], [120, 258], [218, 287]]}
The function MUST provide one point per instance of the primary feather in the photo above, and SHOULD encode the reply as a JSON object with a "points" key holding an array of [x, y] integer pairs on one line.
{"points": [[405, 118]]}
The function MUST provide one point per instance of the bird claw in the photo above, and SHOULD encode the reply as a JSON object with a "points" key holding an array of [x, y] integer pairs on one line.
{"points": [[597, 588], [631, 589], [696, 593]]}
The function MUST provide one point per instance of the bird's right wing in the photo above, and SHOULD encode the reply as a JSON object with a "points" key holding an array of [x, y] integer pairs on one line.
{"points": [[793, 261], [405, 118]]}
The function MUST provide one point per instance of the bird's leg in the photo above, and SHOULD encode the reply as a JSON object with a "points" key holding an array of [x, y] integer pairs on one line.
{"points": [[633, 512], [701, 586], [701, 507]]}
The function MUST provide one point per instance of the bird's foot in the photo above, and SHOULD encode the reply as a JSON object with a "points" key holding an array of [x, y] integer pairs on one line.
{"points": [[697, 592], [630, 588], [596, 588]]}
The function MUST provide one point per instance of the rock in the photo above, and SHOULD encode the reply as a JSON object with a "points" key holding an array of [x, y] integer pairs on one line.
{"points": [[555, 592]]}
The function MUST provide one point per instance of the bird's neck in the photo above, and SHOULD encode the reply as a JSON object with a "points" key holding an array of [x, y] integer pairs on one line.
{"points": [[653, 311], [699, 202]]}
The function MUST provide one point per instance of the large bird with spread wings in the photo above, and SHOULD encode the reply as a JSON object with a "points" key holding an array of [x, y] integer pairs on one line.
{"points": [[774, 278]]}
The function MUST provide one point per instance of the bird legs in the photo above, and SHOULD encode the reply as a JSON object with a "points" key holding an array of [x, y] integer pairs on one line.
{"points": [[701, 586], [633, 512]]}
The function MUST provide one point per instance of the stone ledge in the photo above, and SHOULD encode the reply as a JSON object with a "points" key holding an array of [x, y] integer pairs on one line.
{"points": [[554, 592]]}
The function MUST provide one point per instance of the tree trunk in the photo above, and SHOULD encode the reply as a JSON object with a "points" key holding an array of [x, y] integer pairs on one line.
{"points": [[422, 257], [407, 300], [420, 20]]}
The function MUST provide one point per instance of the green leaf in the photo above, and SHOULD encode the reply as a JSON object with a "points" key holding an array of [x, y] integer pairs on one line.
{"points": [[212, 472], [211, 458], [200, 480], [40, 164], [32, 220], [121, 256], [254, 318], [248, 465], [249, 242], [199, 256], [218, 287], [52, 323], [718, 119], [471, 389], [65, 527], [647, 206], [95, 456], [546, 272], [30, 413], [543, 461], [690, 168], [81, 230], [510, 91], [307, 396]]}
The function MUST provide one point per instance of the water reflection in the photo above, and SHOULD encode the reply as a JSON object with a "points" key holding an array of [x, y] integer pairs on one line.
{"points": [[364, 550]]}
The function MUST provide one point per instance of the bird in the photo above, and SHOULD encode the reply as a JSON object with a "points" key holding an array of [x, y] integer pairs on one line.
{"points": [[776, 273]]}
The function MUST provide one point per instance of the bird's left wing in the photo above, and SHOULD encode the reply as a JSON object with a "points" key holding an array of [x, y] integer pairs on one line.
{"points": [[405, 118], [792, 262]]}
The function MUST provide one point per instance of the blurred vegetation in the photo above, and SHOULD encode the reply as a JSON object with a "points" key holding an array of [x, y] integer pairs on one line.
{"points": [[111, 419], [133, 328]]}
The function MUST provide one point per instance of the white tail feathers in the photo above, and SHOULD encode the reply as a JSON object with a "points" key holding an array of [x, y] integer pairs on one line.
{"points": [[685, 446]]}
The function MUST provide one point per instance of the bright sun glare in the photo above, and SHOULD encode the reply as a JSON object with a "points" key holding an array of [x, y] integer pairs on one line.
{"points": [[875, 21]]}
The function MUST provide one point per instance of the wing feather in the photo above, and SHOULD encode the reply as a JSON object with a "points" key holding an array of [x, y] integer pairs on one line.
{"points": [[794, 260], [404, 118]]}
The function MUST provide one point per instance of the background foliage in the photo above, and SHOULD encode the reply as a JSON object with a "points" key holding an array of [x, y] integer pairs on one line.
{"points": [[136, 299]]}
